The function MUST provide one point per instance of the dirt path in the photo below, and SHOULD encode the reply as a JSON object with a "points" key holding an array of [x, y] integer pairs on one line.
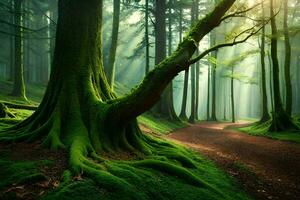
{"points": [[267, 169]]}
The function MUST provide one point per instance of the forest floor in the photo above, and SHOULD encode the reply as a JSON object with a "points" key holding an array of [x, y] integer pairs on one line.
{"points": [[267, 168]]}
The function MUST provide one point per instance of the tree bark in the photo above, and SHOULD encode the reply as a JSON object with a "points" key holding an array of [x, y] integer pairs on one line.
{"points": [[182, 114], [281, 120], [19, 85], [265, 112], [287, 62], [165, 107], [232, 95], [147, 67], [79, 112], [110, 68]]}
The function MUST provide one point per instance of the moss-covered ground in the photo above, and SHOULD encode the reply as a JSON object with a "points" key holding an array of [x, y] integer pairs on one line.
{"points": [[27, 171], [258, 129]]}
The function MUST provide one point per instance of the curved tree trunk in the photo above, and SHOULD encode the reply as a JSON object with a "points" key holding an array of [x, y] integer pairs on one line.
{"points": [[81, 114], [19, 85], [110, 68]]}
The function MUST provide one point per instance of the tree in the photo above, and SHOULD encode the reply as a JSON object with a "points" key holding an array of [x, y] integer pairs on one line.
{"points": [[182, 114], [231, 64], [165, 107], [287, 62], [265, 112], [19, 85], [110, 68], [80, 113], [147, 67], [281, 120]]}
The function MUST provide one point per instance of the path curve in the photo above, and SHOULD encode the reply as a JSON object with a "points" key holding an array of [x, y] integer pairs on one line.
{"points": [[267, 168]]}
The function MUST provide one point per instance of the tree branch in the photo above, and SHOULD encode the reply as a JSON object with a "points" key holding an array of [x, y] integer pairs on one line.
{"points": [[149, 91]]}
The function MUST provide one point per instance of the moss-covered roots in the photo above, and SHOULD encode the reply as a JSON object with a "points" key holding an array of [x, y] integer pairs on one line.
{"points": [[82, 124]]}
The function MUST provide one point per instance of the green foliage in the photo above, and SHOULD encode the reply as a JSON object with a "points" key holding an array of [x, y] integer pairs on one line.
{"points": [[258, 129]]}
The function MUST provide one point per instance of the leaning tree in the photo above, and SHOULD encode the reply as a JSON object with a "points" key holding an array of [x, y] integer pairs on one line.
{"points": [[81, 114]]}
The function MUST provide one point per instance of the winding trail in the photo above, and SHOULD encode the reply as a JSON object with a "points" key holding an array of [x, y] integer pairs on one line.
{"points": [[267, 168]]}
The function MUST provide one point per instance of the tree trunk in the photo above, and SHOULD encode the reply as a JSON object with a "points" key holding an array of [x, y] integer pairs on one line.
{"points": [[214, 55], [281, 120], [110, 68], [182, 114], [80, 113], [193, 74], [208, 94], [147, 67], [165, 107], [287, 62], [197, 71], [232, 96], [265, 112], [213, 104], [19, 85]]}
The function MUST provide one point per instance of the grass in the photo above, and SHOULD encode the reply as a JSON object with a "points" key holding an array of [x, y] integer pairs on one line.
{"points": [[262, 130]]}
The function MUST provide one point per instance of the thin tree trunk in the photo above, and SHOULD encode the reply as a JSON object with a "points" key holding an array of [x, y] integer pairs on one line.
{"points": [[287, 62], [110, 68], [197, 71], [182, 114], [265, 113], [193, 74], [147, 67], [208, 94], [19, 85], [232, 96]]}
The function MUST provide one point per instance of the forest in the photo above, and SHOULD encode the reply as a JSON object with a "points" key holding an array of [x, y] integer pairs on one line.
{"points": [[150, 99]]}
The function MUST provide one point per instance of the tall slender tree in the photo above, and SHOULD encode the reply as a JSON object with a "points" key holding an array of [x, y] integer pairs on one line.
{"points": [[110, 68], [147, 53], [287, 62], [165, 107], [182, 114], [281, 120], [265, 111], [19, 85]]}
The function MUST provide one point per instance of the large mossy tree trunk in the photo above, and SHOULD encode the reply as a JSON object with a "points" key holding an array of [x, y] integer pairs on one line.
{"points": [[80, 113], [19, 84], [165, 107], [110, 68], [281, 120], [287, 62], [265, 111]]}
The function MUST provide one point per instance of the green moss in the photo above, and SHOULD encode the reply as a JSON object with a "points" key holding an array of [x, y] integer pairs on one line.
{"points": [[20, 172], [263, 130], [160, 125]]}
